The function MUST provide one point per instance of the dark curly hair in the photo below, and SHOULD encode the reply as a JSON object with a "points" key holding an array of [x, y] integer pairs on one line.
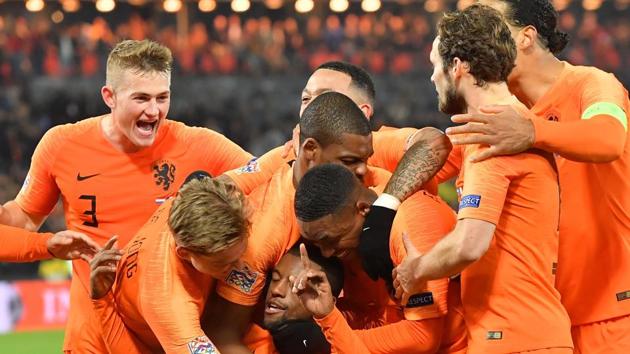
{"points": [[479, 36], [541, 15]]}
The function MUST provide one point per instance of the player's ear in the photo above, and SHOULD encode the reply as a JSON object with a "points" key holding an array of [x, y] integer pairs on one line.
{"points": [[311, 149], [459, 68], [107, 92], [182, 253], [526, 38], [367, 110], [363, 207]]}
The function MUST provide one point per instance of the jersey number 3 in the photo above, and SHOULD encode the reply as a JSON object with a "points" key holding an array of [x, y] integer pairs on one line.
{"points": [[90, 212]]}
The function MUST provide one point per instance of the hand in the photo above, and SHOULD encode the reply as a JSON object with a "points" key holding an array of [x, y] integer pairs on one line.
{"points": [[72, 245], [407, 282], [103, 269], [313, 288], [504, 129], [293, 144]]}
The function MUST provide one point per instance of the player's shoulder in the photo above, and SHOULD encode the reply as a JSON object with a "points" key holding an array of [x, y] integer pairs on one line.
{"points": [[584, 75], [188, 134], [71, 131], [376, 178]]}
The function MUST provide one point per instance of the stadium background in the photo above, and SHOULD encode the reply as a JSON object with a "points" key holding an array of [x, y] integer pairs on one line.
{"points": [[239, 69]]}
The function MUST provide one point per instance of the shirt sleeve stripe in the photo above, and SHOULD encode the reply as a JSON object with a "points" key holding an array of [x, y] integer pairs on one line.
{"points": [[609, 109]]}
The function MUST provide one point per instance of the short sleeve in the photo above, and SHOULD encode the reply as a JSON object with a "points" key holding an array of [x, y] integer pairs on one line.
{"points": [[485, 187], [40, 192], [257, 171], [219, 153]]}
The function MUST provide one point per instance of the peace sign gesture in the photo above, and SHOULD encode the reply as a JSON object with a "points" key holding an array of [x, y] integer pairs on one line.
{"points": [[313, 288]]}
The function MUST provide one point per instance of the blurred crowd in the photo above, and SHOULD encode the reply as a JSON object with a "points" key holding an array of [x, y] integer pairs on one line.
{"points": [[250, 68]]}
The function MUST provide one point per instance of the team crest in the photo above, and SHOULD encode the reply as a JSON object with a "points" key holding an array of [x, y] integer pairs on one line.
{"points": [[552, 115], [202, 345], [251, 167], [242, 279], [164, 174]]}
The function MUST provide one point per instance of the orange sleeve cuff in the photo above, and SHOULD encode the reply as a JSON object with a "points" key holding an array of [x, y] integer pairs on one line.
{"points": [[341, 337], [19, 245], [599, 139]]}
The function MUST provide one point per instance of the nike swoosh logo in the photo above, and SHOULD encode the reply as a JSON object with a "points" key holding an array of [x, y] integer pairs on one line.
{"points": [[366, 228], [304, 342], [83, 178]]}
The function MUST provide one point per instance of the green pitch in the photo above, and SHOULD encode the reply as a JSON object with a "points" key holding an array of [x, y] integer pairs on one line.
{"points": [[45, 342]]}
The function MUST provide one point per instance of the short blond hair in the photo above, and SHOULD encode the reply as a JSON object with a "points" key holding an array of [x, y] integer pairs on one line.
{"points": [[143, 56], [209, 216]]}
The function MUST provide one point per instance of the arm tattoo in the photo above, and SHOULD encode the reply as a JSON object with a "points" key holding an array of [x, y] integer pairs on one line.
{"points": [[419, 164]]}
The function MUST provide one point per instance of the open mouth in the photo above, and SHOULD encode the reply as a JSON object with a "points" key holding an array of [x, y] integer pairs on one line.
{"points": [[273, 307], [146, 128]]}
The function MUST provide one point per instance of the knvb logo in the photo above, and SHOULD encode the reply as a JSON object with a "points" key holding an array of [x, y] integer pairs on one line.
{"points": [[164, 174]]}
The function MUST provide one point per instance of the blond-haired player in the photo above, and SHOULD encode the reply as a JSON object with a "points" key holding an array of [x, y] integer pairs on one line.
{"points": [[114, 170]]}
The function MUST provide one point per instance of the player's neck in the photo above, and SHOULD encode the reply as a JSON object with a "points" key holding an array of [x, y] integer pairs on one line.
{"points": [[115, 137], [490, 94], [540, 72]]}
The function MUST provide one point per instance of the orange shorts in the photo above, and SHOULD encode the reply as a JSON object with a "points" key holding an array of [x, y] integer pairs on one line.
{"points": [[610, 336]]}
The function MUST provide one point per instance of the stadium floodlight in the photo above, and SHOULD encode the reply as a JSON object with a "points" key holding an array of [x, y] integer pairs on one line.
{"points": [[274, 4], [207, 5], [561, 5], [172, 5], [240, 5], [370, 5], [57, 16], [105, 5], [339, 5], [70, 5], [304, 6], [591, 5], [34, 5]]}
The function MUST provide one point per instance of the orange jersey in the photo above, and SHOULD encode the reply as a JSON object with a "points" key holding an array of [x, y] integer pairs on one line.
{"points": [[159, 297], [106, 192], [509, 300], [19, 245], [274, 232], [594, 255]]}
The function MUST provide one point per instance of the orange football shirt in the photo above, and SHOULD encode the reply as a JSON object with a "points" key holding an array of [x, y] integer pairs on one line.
{"points": [[594, 256], [509, 300], [107, 192], [159, 297]]}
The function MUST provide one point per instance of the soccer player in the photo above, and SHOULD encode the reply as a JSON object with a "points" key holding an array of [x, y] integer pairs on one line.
{"points": [[330, 206], [167, 272], [113, 171], [19, 245], [332, 130], [505, 243], [291, 325], [584, 123]]}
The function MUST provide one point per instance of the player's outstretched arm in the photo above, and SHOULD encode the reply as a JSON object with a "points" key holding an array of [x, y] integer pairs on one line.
{"points": [[508, 131], [419, 164], [468, 242], [20, 245], [13, 215]]}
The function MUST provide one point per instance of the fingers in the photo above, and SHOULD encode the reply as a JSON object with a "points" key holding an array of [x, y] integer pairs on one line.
{"points": [[485, 154], [469, 118], [306, 262], [110, 243], [475, 139], [84, 238], [405, 298]]}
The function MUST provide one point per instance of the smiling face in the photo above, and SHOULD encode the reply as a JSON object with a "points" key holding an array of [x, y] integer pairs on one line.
{"points": [[139, 104], [281, 304], [449, 100]]}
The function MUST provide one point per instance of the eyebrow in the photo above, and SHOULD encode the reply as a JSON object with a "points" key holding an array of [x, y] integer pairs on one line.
{"points": [[140, 93], [316, 92]]}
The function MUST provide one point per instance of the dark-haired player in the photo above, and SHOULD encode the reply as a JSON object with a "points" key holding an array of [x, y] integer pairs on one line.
{"points": [[505, 243], [584, 122]]}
